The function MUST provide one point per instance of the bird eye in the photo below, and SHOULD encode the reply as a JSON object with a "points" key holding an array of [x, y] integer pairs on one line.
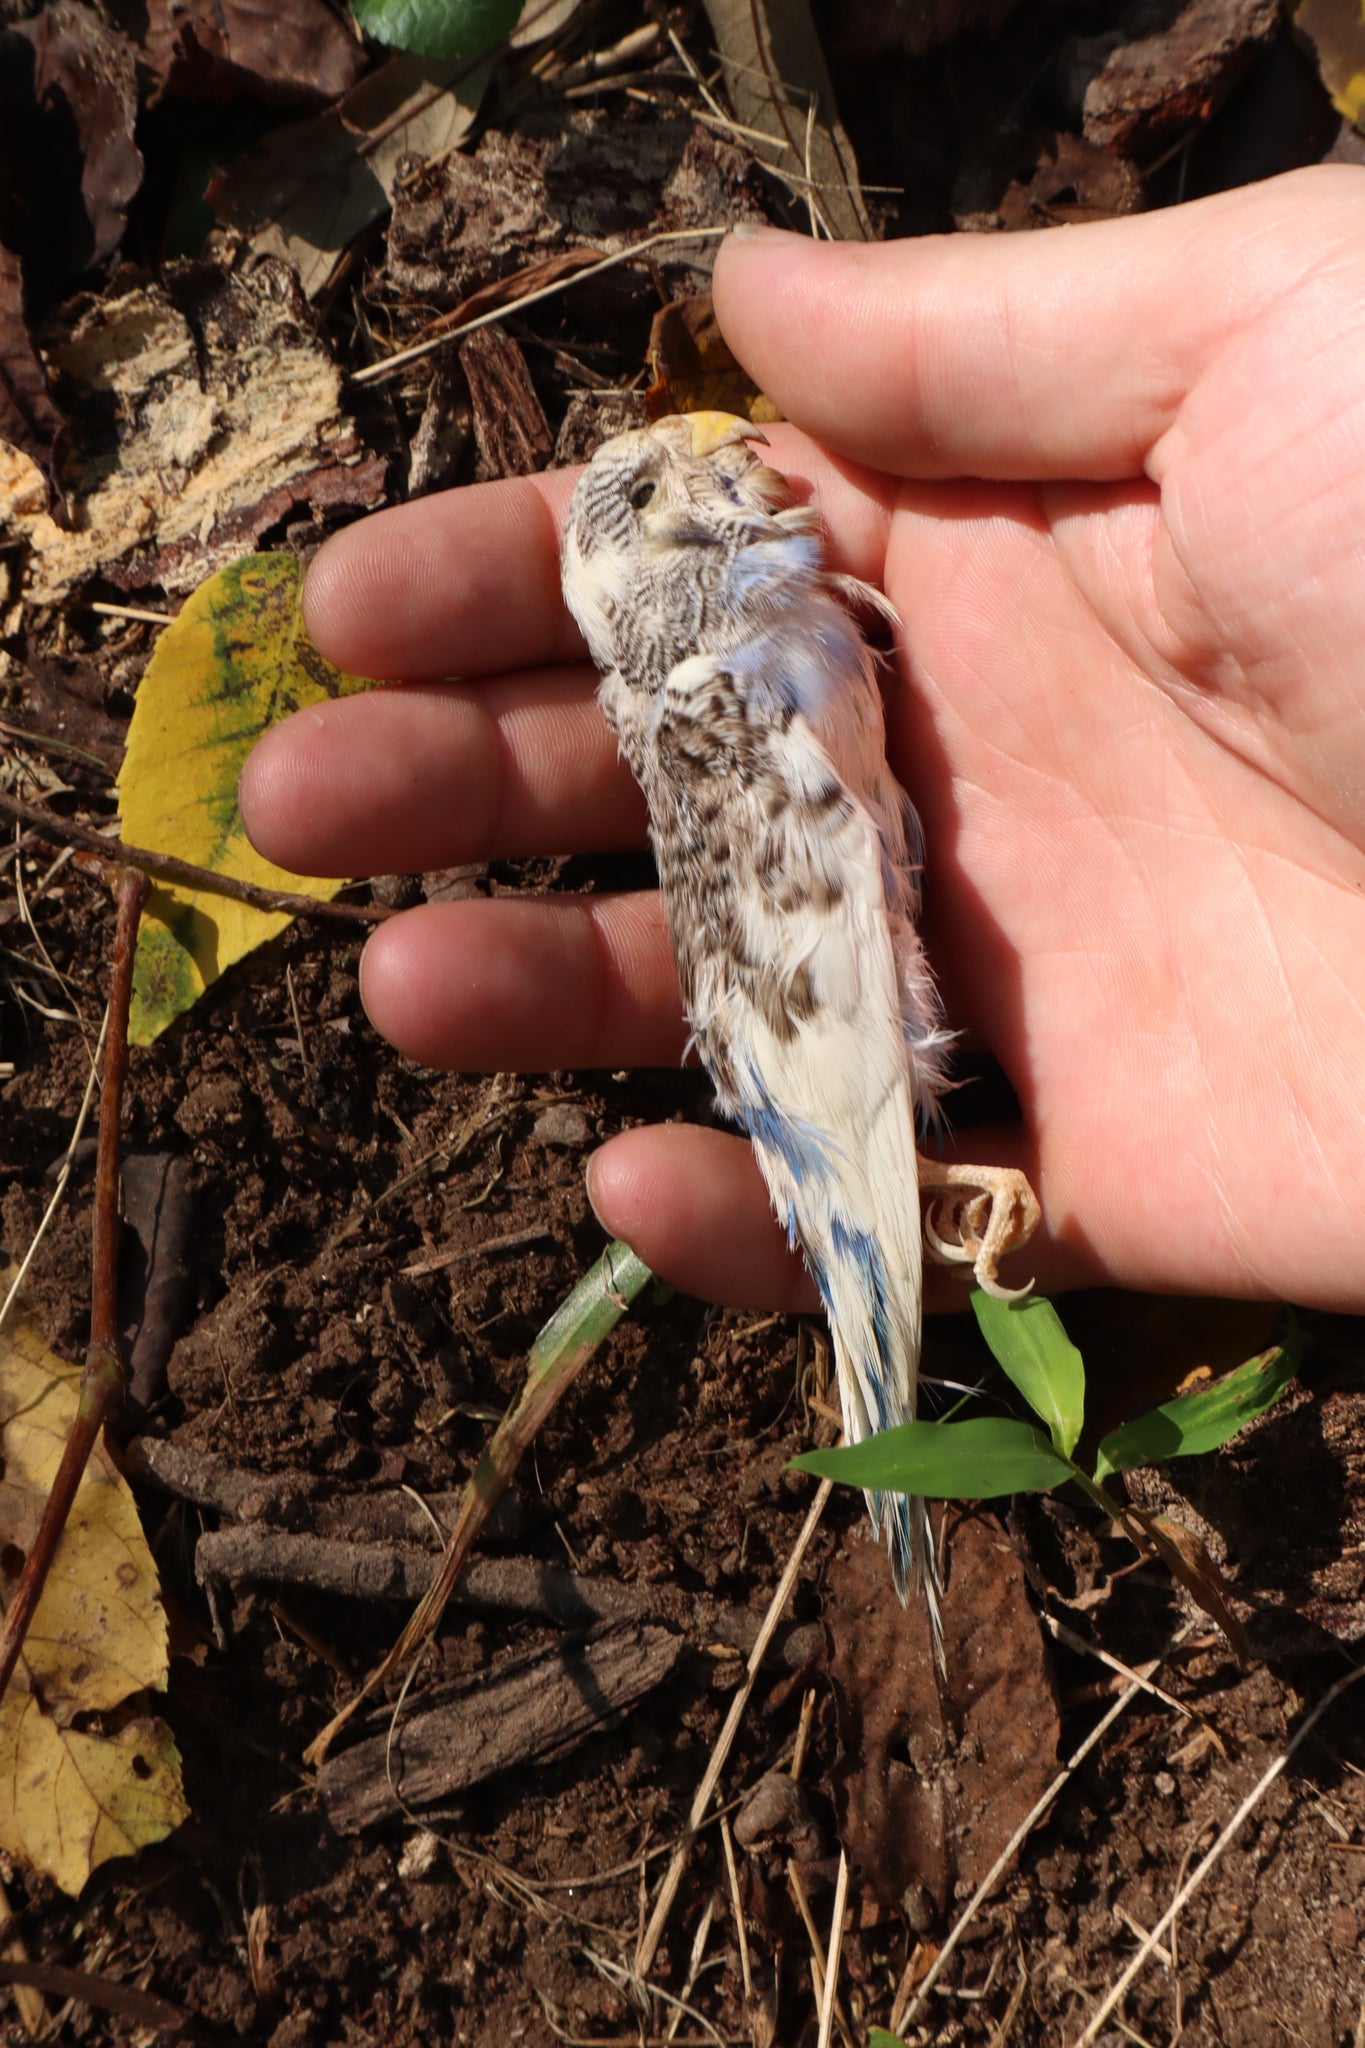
{"points": [[642, 492]]}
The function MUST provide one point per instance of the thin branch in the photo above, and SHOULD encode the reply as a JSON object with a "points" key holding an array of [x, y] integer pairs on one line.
{"points": [[102, 1379], [166, 867]]}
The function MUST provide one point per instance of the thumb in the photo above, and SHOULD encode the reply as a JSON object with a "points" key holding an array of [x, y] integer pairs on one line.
{"points": [[1064, 353]]}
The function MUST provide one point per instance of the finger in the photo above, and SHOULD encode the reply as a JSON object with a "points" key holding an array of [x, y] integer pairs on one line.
{"points": [[1064, 354], [400, 780], [466, 583], [461, 583], [692, 1204], [520, 985]]}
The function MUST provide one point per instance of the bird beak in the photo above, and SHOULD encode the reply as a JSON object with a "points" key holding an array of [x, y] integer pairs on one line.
{"points": [[712, 430]]}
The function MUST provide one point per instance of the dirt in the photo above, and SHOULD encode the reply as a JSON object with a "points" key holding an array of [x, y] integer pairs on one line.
{"points": [[285, 1168]]}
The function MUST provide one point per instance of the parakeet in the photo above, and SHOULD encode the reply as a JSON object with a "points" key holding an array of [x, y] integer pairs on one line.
{"points": [[745, 698]]}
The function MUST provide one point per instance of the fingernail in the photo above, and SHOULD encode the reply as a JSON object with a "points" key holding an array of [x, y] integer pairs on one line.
{"points": [[763, 231], [589, 1175]]}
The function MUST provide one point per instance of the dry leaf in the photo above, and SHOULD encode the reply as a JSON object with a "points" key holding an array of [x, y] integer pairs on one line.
{"points": [[203, 407], [693, 368], [297, 52], [775, 74], [89, 68], [71, 1799], [932, 1781], [313, 186], [235, 660]]}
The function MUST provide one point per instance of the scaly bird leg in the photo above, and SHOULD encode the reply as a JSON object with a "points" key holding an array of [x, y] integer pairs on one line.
{"points": [[975, 1215]]}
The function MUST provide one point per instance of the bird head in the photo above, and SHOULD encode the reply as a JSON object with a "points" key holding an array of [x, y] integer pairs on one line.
{"points": [[672, 501]]}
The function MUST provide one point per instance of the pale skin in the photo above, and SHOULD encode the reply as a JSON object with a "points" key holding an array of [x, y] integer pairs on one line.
{"points": [[1113, 479]]}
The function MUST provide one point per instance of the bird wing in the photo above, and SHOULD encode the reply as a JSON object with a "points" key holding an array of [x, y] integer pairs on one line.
{"points": [[772, 870]]}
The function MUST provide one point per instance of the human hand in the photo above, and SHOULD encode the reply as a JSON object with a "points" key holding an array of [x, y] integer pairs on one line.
{"points": [[1130, 709]]}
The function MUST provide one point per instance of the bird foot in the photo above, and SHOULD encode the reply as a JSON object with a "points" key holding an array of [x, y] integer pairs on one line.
{"points": [[975, 1215]]}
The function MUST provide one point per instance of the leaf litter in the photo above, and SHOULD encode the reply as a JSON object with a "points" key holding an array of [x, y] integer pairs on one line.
{"points": [[312, 1364]]}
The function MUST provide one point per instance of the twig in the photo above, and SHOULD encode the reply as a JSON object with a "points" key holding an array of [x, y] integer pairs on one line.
{"points": [[727, 1843], [901, 2018], [1196, 1879], [128, 611], [373, 373], [166, 867], [102, 1379], [653, 1934], [836, 1942]]}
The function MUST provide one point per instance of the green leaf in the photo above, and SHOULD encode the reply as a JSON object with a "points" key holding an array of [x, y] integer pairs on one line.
{"points": [[1194, 1423], [458, 30], [1034, 1350], [976, 1460], [877, 2037]]}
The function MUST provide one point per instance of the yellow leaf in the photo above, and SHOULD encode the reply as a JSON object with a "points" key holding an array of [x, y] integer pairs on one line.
{"points": [[234, 661], [70, 1799], [74, 1800]]}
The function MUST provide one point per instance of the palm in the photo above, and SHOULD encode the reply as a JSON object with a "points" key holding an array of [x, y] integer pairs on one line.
{"points": [[1136, 897], [1132, 720]]}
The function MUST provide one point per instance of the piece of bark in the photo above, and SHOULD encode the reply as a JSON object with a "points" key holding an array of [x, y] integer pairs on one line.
{"points": [[442, 436], [1154, 88], [511, 431], [523, 1712], [203, 408]]}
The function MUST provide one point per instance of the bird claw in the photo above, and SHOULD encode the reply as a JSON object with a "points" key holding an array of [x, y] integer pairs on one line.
{"points": [[975, 1215]]}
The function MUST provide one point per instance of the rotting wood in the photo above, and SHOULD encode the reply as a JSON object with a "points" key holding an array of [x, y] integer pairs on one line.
{"points": [[528, 1710]]}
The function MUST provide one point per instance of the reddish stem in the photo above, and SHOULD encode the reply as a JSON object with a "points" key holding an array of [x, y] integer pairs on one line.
{"points": [[102, 1379]]}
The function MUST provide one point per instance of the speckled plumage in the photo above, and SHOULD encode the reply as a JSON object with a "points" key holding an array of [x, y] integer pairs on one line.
{"points": [[745, 697]]}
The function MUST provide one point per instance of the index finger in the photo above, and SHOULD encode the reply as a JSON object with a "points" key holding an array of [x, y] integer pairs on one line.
{"points": [[466, 582]]}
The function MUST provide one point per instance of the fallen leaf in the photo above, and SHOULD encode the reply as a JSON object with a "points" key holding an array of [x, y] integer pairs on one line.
{"points": [[70, 1799], [693, 368], [932, 1781], [1187, 1560], [775, 74], [1074, 180], [235, 660], [87, 66], [203, 407], [313, 186], [292, 52], [1335, 32]]}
